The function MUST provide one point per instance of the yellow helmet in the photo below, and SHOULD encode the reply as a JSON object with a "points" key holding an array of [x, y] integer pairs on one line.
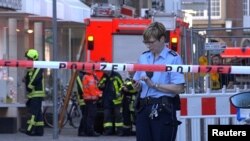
{"points": [[32, 54]]}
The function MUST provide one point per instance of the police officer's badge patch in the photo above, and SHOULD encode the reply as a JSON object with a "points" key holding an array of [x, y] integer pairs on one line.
{"points": [[173, 53]]}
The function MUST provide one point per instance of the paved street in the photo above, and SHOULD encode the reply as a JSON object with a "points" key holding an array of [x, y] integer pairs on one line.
{"points": [[67, 134]]}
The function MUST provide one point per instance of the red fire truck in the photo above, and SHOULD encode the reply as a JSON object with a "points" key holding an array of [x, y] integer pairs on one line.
{"points": [[115, 39], [119, 40]]}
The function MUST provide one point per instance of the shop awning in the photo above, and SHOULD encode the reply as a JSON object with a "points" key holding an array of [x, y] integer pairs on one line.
{"points": [[67, 10], [236, 52]]}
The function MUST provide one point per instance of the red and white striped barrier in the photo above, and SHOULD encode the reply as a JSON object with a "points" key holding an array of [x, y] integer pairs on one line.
{"points": [[206, 105], [126, 67], [200, 110]]}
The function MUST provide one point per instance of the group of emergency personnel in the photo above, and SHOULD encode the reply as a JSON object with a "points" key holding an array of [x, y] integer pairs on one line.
{"points": [[156, 102], [116, 95], [116, 100]]}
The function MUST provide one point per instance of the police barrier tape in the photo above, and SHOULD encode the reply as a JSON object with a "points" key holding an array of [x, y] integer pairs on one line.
{"points": [[197, 111], [126, 67]]}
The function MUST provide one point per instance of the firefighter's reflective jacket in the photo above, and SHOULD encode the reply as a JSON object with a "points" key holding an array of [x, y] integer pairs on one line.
{"points": [[90, 89], [35, 83], [111, 86], [129, 94], [128, 83], [80, 88]]}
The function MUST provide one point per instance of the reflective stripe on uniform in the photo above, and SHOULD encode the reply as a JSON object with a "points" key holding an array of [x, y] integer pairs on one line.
{"points": [[79, 98], [116, 87], [102, 81], [117, 100], [107, 124], [31, 122], [119, 124], [79, 82], [80, 101], [36, 94], [32, 78], [39, 123]]}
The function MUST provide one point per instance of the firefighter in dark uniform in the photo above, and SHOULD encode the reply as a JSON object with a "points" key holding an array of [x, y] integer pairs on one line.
{"points": [[34, 81], [128, 112], [81, 130], [111, 83]]}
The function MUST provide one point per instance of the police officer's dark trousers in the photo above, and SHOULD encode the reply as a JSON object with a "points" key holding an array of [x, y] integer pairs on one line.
{"points": [[165, 123], [35, 124]]}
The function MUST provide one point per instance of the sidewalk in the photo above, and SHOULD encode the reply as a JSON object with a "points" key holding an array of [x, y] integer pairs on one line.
{"points": [[67, 134]]}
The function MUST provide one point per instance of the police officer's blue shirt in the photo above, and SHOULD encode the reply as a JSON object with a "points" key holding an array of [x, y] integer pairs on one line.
{"points": [[166, 57]]}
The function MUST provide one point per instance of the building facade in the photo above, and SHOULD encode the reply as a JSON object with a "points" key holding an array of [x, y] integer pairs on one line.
{"points": [[27, 24], [229, 18]]}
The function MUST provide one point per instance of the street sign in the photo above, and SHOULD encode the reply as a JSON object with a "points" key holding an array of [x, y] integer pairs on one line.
{"points": [[215, 46]]}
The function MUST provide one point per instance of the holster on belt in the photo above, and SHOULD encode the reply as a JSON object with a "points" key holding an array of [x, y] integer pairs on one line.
{"points": [[177, 102], [137, 103]]}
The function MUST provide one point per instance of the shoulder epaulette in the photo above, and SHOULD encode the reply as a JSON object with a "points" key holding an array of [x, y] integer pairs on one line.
{"points": [[146, 51], [173, 53]]}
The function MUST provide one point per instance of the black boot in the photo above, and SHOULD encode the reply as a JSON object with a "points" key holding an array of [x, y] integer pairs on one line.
{"points": [[126, 132], [39, 130], [32, 133], [81, 134], [108, 132], [93, 134], [119, 132]]}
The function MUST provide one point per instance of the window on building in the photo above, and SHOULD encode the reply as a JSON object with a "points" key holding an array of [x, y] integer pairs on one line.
{"points": [[200, 8], [199, 13], [246, 7], [215, 8]]}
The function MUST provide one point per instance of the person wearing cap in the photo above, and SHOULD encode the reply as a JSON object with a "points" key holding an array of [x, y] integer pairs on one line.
{"points": [[34, 81], [156, 107]]}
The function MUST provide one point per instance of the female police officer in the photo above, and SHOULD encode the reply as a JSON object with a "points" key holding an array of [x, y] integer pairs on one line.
{"points": [[156, 108]]}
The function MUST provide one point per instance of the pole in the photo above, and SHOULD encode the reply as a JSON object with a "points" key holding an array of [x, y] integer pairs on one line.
{"points": [[208, 33], [54, 36], [209, 14]]}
